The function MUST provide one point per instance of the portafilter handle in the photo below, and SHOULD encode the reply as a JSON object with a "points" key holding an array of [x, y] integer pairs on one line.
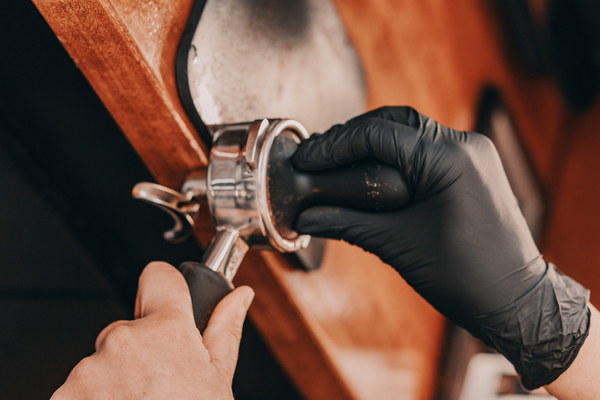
{"points": [[209, 280]]}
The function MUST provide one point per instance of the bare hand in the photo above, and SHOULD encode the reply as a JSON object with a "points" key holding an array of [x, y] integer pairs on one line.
{"points": [[161, 354]]}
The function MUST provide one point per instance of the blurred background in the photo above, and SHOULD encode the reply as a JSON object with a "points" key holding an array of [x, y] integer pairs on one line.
{"points": [[72, 243]]}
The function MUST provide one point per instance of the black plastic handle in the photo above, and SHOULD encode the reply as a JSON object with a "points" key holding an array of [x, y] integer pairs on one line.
{"points": [[207, 289], [368, 185]]}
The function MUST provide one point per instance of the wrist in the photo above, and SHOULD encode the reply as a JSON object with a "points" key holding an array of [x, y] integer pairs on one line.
{"points": [[580, 380], [542, 332]]}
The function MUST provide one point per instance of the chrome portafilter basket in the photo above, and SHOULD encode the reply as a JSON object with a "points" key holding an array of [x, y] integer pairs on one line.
{"points": [[235, 188]]}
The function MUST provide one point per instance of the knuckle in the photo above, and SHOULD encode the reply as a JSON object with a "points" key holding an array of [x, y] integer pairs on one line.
{"points": [[405, 110], [119, 336], [84, 368], [401, 114], [460, 154], [482, 142], [114, 324], [458, 150], [173, 316], [471, 152], [482, 147], [107, 329], [369, 126], [386, 110], [391, 110]]}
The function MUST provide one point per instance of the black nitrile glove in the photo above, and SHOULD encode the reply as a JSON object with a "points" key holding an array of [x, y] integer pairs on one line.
{"points": [[462, 242]]}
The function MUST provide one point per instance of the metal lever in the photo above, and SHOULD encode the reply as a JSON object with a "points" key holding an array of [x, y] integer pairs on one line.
{"points": [[182, 207]]}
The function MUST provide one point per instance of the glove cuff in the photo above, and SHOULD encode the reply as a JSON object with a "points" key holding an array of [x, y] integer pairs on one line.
{"points": [[540, 333]]}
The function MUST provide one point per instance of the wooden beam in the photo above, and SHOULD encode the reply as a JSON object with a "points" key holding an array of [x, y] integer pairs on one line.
{"points": [[126, 50]]}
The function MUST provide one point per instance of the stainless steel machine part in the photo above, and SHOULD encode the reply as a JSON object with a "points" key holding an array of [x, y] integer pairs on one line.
{"points": [[181, 207], [243, 60], [235, 188]]}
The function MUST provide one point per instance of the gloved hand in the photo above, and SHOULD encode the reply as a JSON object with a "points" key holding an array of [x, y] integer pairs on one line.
{"points": [[461, 242], [161, 354]]}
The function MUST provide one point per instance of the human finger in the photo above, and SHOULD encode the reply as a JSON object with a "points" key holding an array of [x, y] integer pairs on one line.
{"points": [[162, 289], [224, 330]]}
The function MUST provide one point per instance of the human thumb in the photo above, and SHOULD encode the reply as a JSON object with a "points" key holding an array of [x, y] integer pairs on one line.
{"points": [[224, 330]]}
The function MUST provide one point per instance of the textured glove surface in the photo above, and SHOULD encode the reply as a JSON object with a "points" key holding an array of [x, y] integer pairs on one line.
{"points": [[462, 241]]}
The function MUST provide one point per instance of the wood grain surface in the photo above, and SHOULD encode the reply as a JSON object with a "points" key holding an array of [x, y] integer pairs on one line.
{"points": [[126, 50], [437, 56], [353, 329]]}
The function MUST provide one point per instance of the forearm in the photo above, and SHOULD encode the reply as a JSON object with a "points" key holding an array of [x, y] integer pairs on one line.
{"points": [[582, 380]]}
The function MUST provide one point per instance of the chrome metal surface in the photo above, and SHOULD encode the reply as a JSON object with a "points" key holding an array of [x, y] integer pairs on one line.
{"points": [[181, 207], [232, 199], [195, 186], [250, 59], [238, 192], [276, 238], [225, 252], [236, 189]]}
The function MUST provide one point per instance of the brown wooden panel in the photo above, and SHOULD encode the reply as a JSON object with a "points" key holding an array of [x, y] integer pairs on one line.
{"points": [[574, 225], [437, 56], [126, 49]]}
